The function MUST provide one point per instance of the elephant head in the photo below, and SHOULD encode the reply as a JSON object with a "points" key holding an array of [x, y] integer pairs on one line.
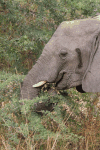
{"points": [[71, 58]]}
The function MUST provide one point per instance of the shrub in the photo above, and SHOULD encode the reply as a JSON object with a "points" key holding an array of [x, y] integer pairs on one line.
{"points": [[70, 121]]}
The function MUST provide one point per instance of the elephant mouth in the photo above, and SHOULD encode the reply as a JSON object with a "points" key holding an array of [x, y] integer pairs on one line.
{"points": [[59, 81], [63, 81], [59, 78]]}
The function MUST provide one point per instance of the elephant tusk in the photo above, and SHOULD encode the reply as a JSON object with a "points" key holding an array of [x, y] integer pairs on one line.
{"points": [[39, 84]]}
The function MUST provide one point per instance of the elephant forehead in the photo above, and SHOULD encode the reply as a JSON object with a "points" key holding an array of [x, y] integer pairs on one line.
{"points": [[69, 43], [77, 27], [73, 42]]}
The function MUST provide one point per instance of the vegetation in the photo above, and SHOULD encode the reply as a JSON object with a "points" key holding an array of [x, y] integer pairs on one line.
{"points": [[74, 123], [25, 27]]}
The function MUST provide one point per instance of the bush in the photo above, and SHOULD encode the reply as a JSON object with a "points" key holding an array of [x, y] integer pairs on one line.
{"points": [[70, 121]]}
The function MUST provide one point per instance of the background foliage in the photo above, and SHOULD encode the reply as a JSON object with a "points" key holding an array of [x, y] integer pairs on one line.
{"points": [[27, 25], [25, 28]]}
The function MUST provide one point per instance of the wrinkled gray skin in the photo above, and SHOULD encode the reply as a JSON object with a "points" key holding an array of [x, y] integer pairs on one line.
{"points": [[70, 58]]}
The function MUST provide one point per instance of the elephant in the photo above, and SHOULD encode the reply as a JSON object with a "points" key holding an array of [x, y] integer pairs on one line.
{"points": [[71, 58]]}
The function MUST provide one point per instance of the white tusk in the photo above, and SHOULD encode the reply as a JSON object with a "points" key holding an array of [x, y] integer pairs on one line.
{"points": [[39, 84]]}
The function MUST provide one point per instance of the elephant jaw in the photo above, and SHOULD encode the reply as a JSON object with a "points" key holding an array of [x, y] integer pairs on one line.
{"points": [[39, 84]]}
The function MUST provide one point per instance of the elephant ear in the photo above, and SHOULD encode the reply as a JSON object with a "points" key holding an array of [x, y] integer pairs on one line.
{"points": [[91, 79]]}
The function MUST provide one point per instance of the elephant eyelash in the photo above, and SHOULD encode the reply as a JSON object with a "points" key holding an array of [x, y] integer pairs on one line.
{"points": [[79, 57]]}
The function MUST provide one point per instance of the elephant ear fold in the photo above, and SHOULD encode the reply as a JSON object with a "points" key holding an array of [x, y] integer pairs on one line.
{"points": [[91, 79]]}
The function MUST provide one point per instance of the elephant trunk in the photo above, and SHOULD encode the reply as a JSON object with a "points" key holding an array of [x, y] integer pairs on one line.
{"points": [[31, 87], [43, 71], [27, 89]]}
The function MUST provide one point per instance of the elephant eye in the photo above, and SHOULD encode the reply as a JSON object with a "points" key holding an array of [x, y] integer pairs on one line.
{"points": [[63, 54]]}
